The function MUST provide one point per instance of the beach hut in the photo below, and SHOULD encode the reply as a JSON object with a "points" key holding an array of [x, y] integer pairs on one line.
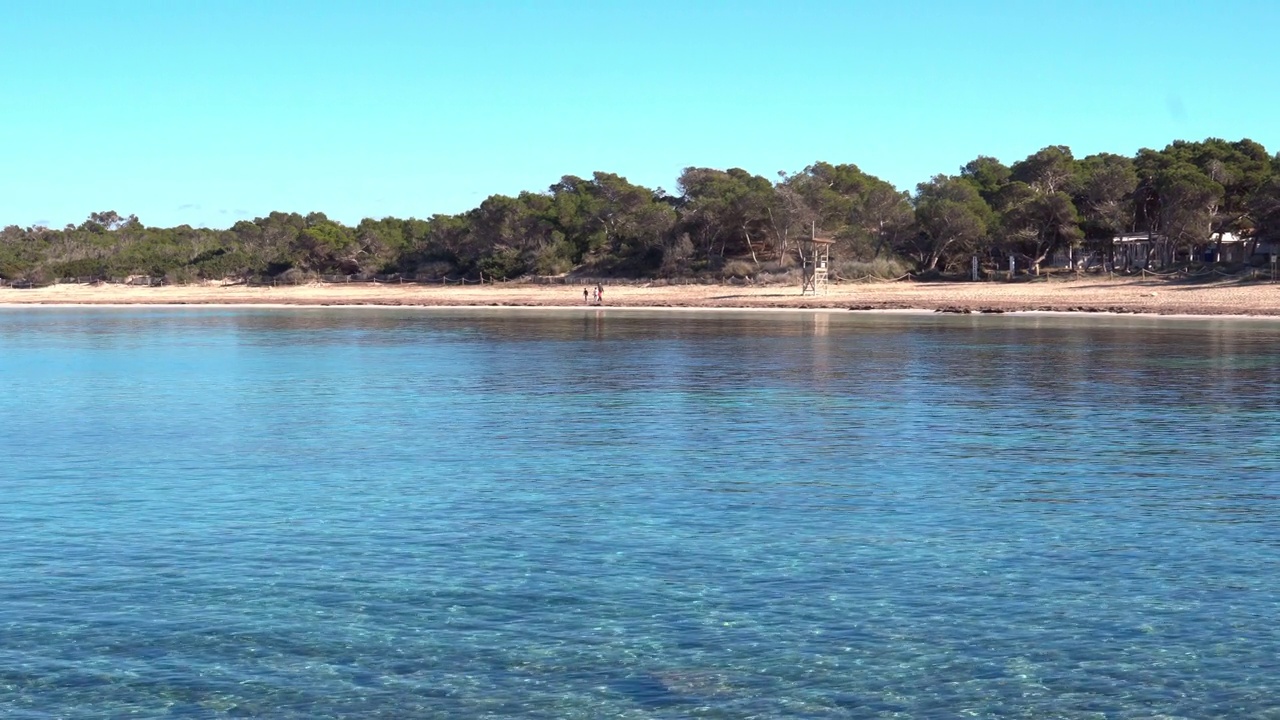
{"points": [[1135, 249]]}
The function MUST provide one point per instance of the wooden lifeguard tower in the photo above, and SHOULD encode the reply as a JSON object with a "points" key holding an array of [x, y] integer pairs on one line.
{"points": [[815, 258]]}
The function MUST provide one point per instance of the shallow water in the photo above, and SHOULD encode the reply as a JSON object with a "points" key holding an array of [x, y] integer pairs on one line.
{"points": [[607, 513]]}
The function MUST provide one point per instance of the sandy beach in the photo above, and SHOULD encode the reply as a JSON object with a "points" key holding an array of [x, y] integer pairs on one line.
{"points": [[1153, 296]]}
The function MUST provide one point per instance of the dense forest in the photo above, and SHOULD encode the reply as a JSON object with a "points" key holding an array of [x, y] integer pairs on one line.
{"points": [[719, 223]]}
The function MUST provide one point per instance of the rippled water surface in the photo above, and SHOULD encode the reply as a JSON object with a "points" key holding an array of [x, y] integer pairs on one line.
{"points": [[588, 514]]}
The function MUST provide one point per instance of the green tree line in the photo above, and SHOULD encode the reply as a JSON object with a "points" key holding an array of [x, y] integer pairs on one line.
{"points": [[718, 222]]}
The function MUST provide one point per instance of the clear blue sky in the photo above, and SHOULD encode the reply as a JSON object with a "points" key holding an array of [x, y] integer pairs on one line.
{"points": [[186, 111]]}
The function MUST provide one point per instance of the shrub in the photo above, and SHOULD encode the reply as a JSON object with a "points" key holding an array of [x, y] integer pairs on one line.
{"points": [[503, 264], [554, 259], [180, 276], [294, 276], [738, 268], [84, 267], [676, 256], [222, 264], [791, 276], [883, 268], [434, 270], [781, 265]]}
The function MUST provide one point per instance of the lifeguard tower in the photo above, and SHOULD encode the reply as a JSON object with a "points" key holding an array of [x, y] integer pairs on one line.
{"points": [[815, 258]]}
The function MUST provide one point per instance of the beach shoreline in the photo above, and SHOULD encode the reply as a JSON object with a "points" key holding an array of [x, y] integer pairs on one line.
{"points": [[1087, 295]]}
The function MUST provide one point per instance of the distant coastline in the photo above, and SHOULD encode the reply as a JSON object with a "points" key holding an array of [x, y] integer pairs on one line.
{"points": [[1087, 295]]}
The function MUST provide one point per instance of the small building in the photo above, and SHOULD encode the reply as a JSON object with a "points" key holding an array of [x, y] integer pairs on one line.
{"points": [[1227, 247], [1130, 250], [1143, 250]]}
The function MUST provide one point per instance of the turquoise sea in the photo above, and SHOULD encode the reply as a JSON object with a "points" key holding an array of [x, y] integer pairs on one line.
{"points": [[502, 513]]}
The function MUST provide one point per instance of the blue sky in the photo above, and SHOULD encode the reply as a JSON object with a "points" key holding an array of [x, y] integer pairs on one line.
{"points": [[186, 111]]}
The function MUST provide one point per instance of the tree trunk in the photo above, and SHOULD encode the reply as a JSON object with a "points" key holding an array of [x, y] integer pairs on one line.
{"points": [[879, 240]]}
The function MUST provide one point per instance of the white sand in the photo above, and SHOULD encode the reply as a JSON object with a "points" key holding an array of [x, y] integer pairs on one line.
{"points": [[1089, 295]]}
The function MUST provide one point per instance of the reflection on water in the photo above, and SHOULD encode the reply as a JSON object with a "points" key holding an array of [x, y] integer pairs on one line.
{"points": [[599, 512]]}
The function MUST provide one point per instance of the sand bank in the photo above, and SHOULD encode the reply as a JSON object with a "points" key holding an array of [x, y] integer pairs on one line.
{"points": [[1154, 296]]}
